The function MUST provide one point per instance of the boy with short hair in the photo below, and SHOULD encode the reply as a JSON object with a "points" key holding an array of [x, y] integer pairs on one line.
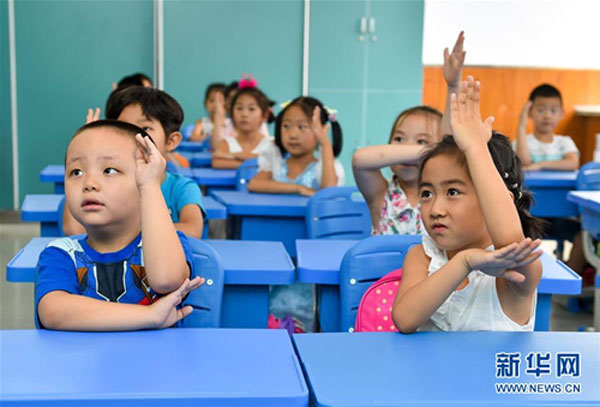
{"points": [[111, 279], [544, 150]]}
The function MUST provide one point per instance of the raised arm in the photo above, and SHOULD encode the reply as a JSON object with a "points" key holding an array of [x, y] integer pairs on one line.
{"points": [[453, 64], [522, 150], [328, 176], [198, 133]]}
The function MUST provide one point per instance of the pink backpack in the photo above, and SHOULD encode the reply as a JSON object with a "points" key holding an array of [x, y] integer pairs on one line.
{"points": [[375, 309]]}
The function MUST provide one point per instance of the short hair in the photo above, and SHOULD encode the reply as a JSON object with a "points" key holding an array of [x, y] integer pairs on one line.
{"points": [[545, 90], [214, 87], [155, 104], [427, 111], [137, 79], [262, 100]]}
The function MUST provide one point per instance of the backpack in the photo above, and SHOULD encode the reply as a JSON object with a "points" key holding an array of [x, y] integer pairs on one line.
{"points": [[375, 309]]}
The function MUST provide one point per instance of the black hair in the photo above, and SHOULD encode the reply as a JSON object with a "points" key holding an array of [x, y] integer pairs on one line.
{"points": [[508, 165], [232, 86], [423, 110], [264, 103], [545, 90], [155, 104], [214, 87], [308, 104], [137, 79]]}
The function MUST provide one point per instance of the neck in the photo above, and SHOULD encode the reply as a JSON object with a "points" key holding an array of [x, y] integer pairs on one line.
{"points": [[543, 136], [108, 240], [302, 159], [249, 136], [411, 189]]}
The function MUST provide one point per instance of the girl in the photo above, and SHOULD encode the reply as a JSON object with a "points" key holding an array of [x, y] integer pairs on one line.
{"points": [[302, 159], [249, 109], [472, 202], [214, 103], [394, 205]]}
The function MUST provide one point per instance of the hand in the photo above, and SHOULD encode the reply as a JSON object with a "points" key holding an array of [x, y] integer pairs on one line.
{"points": [[150, 164], [502, 262], [525, 114], [535, 166], [226, 156], [305, 191], [453, 62], [92, 115], [218, 116], [164, 312], [465, 118], [319, 130]]}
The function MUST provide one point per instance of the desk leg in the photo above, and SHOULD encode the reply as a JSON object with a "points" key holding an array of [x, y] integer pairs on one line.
{"points": [[329, 307], [59, 188], [245, 306], [542, 312], [274, 228], [49, 229]]}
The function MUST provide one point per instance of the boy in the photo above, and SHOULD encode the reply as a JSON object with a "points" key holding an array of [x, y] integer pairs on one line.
{"points": [[160, 116], [109, 279], [543, 150]]}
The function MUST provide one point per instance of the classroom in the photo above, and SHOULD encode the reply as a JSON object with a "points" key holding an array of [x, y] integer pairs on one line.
{"points": [[299, 202]]}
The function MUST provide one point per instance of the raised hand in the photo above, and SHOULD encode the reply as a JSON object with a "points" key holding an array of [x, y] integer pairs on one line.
{"points": [[465, 117], [502, 262], [150, 164], [453, 62], [525, 114], [92, 115], [319, 130], [164, 312]]}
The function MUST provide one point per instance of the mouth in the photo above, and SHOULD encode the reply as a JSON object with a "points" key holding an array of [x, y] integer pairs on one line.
{"points": [[91, 205], [438, 227]]}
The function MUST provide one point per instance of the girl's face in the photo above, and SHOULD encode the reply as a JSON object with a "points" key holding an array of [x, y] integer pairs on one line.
{"points": [[449, 206], [296, 134], [415, 129], [247, 116], [215, 98]]}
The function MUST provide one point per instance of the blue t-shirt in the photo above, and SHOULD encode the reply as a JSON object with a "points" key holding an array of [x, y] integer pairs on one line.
{"points": [[71, 265], [178, 192]]}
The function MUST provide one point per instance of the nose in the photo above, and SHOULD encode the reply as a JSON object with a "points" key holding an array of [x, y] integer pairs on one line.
{"points": [[90, 183], [438, 208]]}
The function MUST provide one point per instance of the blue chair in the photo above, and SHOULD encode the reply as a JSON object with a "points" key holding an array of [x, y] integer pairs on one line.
{"points": [[186, 131], [362, 265], [332, 213], [245, 172], [206, 300], [588, 178], [61, 208]]}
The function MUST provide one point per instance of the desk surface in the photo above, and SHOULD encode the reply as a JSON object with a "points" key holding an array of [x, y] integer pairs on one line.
{"points": [[225, 367], [443, 369], [249, 203], [245, 262], [319, 262], [551, 179], [198, 159], [193, 146], [213, 177], [587, 199], [53, 173]]}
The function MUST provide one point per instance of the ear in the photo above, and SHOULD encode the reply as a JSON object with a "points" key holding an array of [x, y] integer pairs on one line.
{"points": [[173, 140], [512, 196]]}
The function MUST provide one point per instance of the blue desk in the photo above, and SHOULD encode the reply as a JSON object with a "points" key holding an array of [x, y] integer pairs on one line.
{"points": [[45, 209], [56, 175], [193, 146], [319, 262], [550, 189], [274, 217], [170, 367], [441, 368], [211, 177], [198, 159], [250, 268]]}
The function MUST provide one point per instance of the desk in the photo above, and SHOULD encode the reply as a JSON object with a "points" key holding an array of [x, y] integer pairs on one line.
{"points": [[193, 146], [250, 268], [440, 368], [319, 262], [550, 189], [45, 209], [169, 367], [210, 177], [55, 174], [197, 159], [273, 217]]}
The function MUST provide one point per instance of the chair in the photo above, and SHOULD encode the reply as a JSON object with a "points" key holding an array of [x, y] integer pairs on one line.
{"points": [[588, 178], [206, 300], [186, 131], [245, 172], [332, 213], [366, 262], [61, 208]]}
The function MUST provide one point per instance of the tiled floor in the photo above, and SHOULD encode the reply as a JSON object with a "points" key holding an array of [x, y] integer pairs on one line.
{"points": [[16, 299]]}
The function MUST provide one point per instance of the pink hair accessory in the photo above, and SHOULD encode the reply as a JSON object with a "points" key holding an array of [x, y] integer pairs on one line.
{"points": [[247, 81]]}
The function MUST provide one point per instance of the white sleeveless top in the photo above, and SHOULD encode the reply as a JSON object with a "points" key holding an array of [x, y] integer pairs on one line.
{"points": [[474, 308], [235, 147]]}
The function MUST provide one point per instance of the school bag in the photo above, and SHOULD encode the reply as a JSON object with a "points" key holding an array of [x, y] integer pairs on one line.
{"points": [[375, 309]]}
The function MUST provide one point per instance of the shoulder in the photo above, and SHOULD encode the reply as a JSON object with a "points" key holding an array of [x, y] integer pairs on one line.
{"points": [[417, 259]]}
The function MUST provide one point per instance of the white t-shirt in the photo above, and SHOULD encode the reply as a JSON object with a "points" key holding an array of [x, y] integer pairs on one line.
{"points": [[474, 308], [235, 147], [270, 159], [554, 151]]}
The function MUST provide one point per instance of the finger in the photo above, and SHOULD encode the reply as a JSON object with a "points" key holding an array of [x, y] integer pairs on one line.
{"points": [[513, 276], [453, 106], [316, 116], [462, 98], [477, 99], [530, 259], [446, 56], [458, 46], [184, 312], [489, 123], [97, 114]]}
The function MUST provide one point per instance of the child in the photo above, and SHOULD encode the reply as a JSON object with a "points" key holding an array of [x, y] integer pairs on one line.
{"points": [[111, 279], [394, 205], [302, 160], [137, 79], [249, 110], [544, 150], [472, 202], [160, 116], [214, 102]]}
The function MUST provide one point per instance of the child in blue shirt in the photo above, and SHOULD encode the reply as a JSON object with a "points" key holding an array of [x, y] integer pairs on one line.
{"points": [[111, 279]]}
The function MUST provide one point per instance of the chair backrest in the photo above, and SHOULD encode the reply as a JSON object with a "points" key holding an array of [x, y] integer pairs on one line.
{"points": [[588, 178], [366, 262], [333, 213], [206, 300], [244, 174], [186, 131], [61, 208]]}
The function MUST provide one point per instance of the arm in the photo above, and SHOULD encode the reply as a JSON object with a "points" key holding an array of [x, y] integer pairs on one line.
{"points": [[70, 225], [522, 149], [164, 258], [191, 221], [218, 123], [263, 182], [453, 64], [320, 131], [243, 156], [569, 162], [222, 158], [197, 132]]}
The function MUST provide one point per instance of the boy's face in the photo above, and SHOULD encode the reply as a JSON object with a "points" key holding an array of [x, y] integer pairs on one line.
{"points": [[133, 114], [100, 183], [215, 98], [546, 113]]}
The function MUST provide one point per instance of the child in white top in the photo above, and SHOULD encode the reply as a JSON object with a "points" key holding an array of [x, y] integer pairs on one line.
{"points": [[214, 103], [472, 202], [302, 159]]}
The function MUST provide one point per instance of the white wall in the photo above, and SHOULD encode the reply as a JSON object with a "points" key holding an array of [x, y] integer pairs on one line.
{"points": [[527, 33]]}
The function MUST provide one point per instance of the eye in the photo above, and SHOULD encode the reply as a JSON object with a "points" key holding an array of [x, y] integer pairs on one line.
{"points": [[398, 139], [146, 129], [110, 171], [423, 142], [425, 194], [453, 192], [286, 126], [76, 172], [303, 127]]}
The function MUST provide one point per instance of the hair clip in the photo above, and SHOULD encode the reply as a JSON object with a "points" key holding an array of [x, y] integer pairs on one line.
{"points": [[520, 195], [285, 104], [331, 114], [505, 176], [515, 186], [247, 81]]}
